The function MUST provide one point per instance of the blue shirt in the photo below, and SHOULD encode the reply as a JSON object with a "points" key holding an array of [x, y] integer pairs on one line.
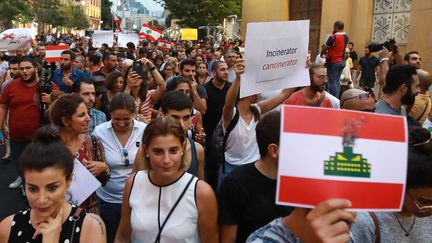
{"points": [[97, 117], [58, 79]]}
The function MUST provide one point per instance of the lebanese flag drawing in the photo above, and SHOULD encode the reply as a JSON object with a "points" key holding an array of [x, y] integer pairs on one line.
{"points": [[164, 45], [53, 53], [117, 21], [149, 32], [326, 153]]}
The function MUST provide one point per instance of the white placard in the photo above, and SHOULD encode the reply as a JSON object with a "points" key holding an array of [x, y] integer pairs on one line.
{"points": [[102, 36], [15, 39], [275, 56], [123, 39], [82, 186]]}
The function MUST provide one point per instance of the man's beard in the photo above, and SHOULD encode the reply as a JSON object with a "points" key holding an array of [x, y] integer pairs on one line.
{"points": [[408, 98], [220, 78], [317, 88], [65, 67], [31, 79]]}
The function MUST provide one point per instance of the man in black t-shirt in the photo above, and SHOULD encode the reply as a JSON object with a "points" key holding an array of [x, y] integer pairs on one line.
{"points": [[368, 65], [247, 195], [217, 89]]}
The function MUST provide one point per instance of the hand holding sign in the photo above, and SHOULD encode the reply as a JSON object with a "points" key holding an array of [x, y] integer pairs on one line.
{"points": [[239, 67], [329, 222]]}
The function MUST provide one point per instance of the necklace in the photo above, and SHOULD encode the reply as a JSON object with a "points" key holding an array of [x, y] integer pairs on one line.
{"points": [[407, 232]]}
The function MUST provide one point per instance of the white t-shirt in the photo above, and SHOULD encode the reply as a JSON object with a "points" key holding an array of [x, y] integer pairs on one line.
{"points": [[112, 192], [335, 101], [241, 146]]}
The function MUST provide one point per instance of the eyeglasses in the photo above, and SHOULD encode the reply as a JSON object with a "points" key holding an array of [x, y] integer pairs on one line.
{"points": [[421, 206], [362, 96], [125, 155], [323, 77]]}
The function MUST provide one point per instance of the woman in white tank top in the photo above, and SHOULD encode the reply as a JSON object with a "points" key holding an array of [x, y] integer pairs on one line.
{"points": [[165, 203]]}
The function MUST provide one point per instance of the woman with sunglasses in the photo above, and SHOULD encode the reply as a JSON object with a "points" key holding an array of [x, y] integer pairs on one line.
{"points": [[414, 222], [46, 166], [69, 114], [121, 138], [165, 203]]}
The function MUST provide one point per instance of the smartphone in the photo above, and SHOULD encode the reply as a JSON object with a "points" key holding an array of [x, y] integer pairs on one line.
{"points": [[139, 68]]}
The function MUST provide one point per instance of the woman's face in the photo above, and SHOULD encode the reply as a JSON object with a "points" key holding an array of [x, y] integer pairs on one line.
{"points": [[165, 156], [154, 54], [46, 190], [134, 79], [80, 120], [202, 69], [118, 85], [169, 71], [183, 87], [122, 120], [199, 59]]}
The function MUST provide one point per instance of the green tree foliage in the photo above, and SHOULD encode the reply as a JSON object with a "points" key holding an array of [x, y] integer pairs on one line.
{"points": [[13, 10], [75, 17], [106, 15], [195, 13], [48, 12]]}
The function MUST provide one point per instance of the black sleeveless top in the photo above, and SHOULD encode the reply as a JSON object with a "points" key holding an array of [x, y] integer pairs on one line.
{"points": [[22, 230]]}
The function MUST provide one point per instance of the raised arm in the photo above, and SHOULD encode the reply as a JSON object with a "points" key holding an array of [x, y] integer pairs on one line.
{"points": [[232, 94], [270, 104], [384, 66]]}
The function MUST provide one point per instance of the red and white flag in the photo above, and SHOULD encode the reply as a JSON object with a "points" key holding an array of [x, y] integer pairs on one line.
{"points": [[117, 21], [354, 155], [149, 32], [53, 53], [164, 45]]}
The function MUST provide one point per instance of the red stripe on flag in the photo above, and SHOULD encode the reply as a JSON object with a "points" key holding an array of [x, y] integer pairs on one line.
{"points": [[57, 47], [152, 28], [361, 194], [318, 121]]}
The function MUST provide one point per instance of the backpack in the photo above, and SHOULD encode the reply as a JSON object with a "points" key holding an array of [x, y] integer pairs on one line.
{"points": [[219, 139]]}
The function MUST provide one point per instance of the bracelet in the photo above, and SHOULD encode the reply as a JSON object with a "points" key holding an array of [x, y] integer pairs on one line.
{"points": [[152, 68]]}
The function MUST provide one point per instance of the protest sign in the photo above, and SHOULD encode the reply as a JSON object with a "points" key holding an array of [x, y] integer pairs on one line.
{"points": [[102, 36], [123, 39], [189, 34], [82, 186], [15, 39], [275, 56], [328, 153], [53, 53]]}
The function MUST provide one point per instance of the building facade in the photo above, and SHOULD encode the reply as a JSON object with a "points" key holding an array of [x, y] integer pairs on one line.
{"points": [[365, 21]]}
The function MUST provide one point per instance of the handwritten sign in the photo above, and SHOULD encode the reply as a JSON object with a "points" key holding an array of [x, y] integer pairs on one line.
{"points": [[275, 56], [102, 36], [15, 39]]}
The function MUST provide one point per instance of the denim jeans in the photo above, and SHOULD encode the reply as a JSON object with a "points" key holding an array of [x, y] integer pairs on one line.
{"points": [[110, 214], [16, 150], [228, 169], [334, 71]]}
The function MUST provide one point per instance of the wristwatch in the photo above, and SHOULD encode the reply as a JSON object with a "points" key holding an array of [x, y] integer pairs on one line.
{"points": [[152, 68], [384, 59]]}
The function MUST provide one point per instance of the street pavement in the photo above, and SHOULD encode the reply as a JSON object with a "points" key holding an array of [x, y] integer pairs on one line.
{"points": [[11, 200]]}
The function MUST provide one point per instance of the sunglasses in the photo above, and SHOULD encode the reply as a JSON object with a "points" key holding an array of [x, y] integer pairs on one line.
{"points": [[125, 155], [418, 205], [362, 96]]}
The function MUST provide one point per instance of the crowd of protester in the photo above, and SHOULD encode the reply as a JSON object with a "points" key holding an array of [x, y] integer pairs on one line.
{"points": [[180, 156]]}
